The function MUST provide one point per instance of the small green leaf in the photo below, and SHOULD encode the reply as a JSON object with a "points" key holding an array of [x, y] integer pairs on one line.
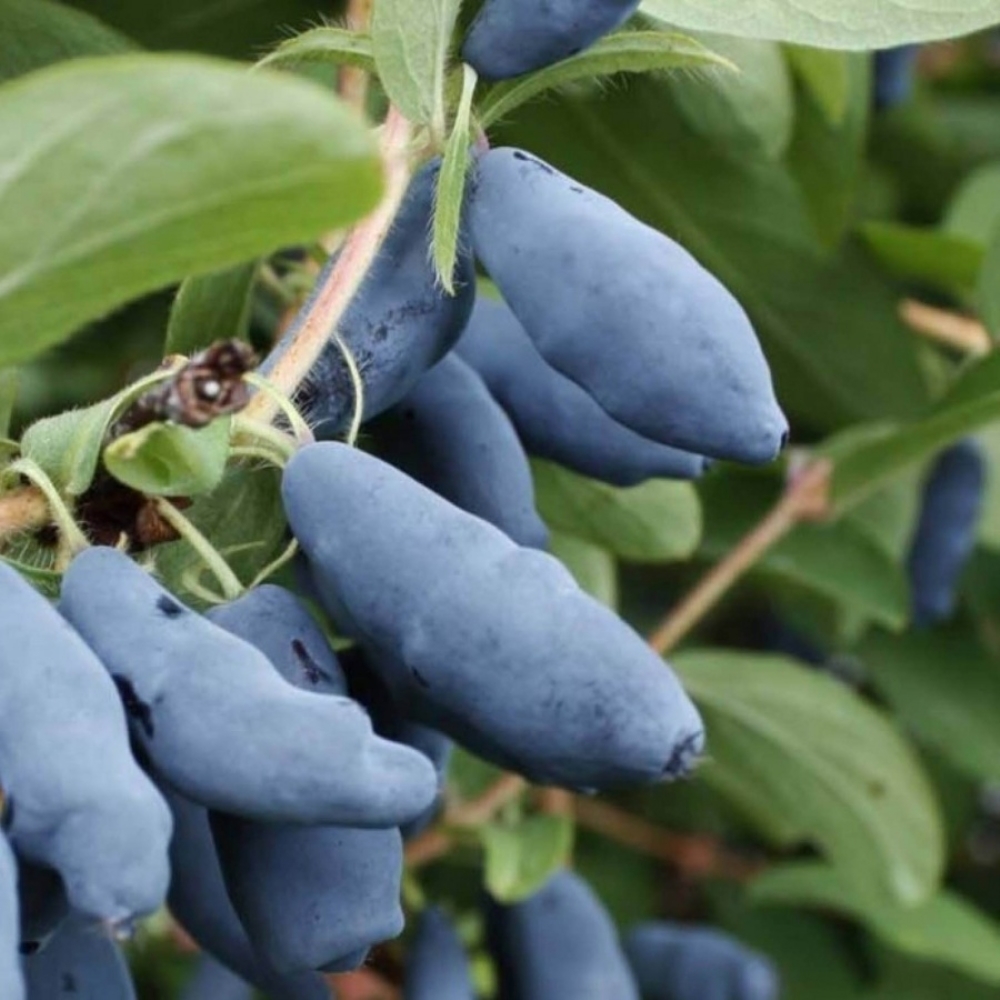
{"points": [[946, 928], [810, 761], [988, 287], [170, 460], [974, 211], [211, 307], [37, 33], [522, 857], [46, 581], [594, 568], [323, 46], [411, 39], [449, 197], [8, 397], [659, 521], [826, 75], [945, 260], [622, 52], [469, 776], [126, 174]]}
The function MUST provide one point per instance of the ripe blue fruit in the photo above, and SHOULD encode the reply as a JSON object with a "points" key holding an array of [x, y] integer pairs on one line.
{"points": [[217, 721], [75, 799], [213, 981], [559, 943], [895, 70], [510, 37], [554, 417], [43, 904], [437, 967], [624, 312], [11, 982], [199, 902], [673, 962], [309, 897], [452, 436], [80, 962], [946, 532], [399, 324], [493, 644]]}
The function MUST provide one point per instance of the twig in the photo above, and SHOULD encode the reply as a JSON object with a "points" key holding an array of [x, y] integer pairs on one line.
{"points": [[694, 855], [23, 509], [355, 260], [805, 499], [961, 333], [437, 842]]}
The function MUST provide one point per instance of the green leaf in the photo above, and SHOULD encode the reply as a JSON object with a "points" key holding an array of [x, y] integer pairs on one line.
{"points": [[411, 39], [826, 75], [828, 323], [974, 211], [622, 52], [945, 685], [46, 581], [752, 111], [126, 174], [945, 260], [659, 521], [594, 568], [211, 307], [449, 196], [8, 397], [946, 928], [170, 460], [522, 857], [37, 33], [839, 561], [831, 24], [325, 47], [809, 761], [988, 287]]}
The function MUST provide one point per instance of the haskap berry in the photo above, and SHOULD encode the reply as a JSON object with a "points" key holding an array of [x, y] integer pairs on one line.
{"points": [[451, 435], [75, 799], [218, 722], [560, 942], [309, 897], [11, 981], [675, 962], [511, 37], [399, 324], [493, 644], [437, 967], [213, 981], [895, 73], [624, 312], [554, 417], [945, 536]]}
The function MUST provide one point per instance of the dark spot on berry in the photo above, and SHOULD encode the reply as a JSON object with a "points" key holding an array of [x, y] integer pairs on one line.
{"points": [[135, 707], [29, 947], [419, 678], [68, 983], [313, 671], [575, 189], [168, 607]]}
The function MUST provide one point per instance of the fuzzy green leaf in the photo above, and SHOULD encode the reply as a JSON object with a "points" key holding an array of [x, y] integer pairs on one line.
{"points": [[324, 47], [522, 857], [211, 307]]}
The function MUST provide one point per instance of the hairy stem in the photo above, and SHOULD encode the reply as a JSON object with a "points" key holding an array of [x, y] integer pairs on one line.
{"points": [[961, 333], [805, 499], [352, 81], [356, 258], [23, 509]]}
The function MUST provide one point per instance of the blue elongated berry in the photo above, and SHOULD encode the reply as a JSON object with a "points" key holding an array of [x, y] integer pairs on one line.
{"points": [[946, 532], [75, 799], [493, 644], [213, 981], [452, 436], [559, 943], [43, 904], [554, 417], [895, 72], [510, 37], [216, 720], [624, 312], [11, 981], [400, 323], [81, 962], [673, 962], [309, 897], [437, 967], [198, 900]]}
